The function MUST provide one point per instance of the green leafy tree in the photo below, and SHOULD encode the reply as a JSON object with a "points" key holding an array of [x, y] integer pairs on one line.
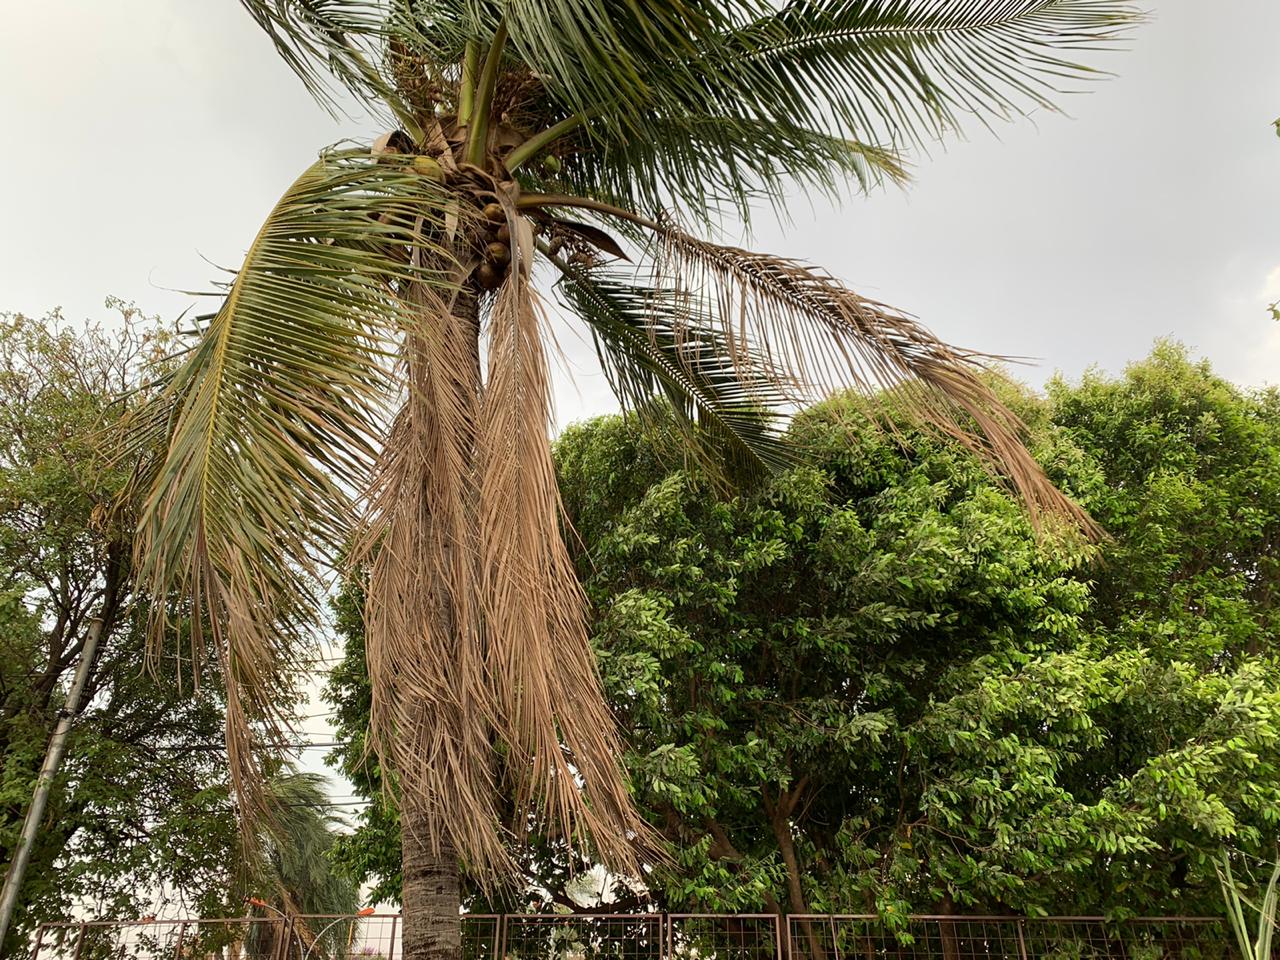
{"points": [[139, 813], [340, 399], [868, 685]]}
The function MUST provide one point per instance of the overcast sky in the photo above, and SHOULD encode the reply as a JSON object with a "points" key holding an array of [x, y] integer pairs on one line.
{"points": [[146, 135]]}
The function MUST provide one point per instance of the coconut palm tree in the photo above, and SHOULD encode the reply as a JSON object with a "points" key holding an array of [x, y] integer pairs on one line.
{"points": [[374, 383]]}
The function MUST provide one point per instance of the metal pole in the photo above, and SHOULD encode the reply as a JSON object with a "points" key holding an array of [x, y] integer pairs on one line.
{"points": [[391, 947], [52, 761], [35, 951], [182, 935], [79, 941], [1022, 943]]}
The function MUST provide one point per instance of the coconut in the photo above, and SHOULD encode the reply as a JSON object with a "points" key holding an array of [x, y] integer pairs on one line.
{"points": [[494, 212], [502, 234], [551, 163], [429, 167], [498, 253], [488, 275]]}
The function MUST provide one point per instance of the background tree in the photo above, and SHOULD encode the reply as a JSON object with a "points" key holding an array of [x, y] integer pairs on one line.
{"points": [[867, 685], [344, 367], [139, 813], [293, 875]]}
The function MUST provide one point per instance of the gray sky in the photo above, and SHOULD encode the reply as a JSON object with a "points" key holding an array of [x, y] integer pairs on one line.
{"points": [[145, 134]]}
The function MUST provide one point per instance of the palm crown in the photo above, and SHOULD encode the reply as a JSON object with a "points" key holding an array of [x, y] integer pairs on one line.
{"points": [[375, 383]]}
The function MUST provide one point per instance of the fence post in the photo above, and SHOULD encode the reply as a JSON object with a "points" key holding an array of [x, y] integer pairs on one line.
{"points": [[182, 935], [502, 936], [1022, 943], [778, 921], [497, 937], [835, 937], [79, 941], [391, 945], [35, 951]]}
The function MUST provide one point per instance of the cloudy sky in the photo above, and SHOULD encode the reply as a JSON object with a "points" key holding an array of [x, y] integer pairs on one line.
{"points": [[148, 136]]}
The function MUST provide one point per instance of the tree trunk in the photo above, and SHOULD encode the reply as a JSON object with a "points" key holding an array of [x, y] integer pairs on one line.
{"points": [[430, 890], [430, 893]]}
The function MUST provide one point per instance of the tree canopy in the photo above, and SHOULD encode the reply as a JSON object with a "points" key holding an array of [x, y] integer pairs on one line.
{"points": [[140, 819], [870, 684], [139, 813]]}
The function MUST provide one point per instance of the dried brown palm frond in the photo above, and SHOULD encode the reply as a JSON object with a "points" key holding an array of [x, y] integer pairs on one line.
{"points": [[563, 754], [480, 662], [432, 709], [780, 315]]}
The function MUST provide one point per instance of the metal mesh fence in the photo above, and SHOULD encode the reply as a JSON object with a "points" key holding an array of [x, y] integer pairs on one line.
{"points": [[649, 936], [1007, 938]]}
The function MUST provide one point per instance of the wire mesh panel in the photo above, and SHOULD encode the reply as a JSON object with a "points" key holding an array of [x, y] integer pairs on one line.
{"points": [[1005, 938], [1173, 938], [707, 936], [480, 936], [242, 938], [648, 936], [636, 936]]}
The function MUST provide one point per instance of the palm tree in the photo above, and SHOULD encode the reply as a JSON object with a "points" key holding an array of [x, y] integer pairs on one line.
{"points": [[374, 384], [291, 873]]}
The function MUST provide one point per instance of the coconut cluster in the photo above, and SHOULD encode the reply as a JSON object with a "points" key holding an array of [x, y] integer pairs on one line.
{"points": [[495, 247]]}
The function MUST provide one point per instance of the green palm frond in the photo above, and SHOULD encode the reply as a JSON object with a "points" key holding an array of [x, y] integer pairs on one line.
{"points": [[901, 71], [654, 347], [711, 163], [324, 40], [810, 75], [272, 422], [609, 53]]}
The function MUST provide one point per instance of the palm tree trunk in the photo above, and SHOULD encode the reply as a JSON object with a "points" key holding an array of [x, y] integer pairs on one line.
{"points": [[430, 890], [430, 893]]}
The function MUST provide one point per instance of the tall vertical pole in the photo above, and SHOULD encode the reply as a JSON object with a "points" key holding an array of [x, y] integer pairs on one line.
{"points": [[52, 761]]}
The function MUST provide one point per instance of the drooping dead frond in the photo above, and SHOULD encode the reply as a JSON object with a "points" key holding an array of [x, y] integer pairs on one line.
{"points": [[562, 747], [780, 315], [482, 670], [268, 426], [432, 708]]}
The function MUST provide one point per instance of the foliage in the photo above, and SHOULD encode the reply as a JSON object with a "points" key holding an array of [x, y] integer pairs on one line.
{"points": [[868, 684], [1266, 911], [293, 874], [139, 813]]}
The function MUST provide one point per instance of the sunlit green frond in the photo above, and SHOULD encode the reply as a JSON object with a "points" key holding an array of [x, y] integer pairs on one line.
{"points": [[271, 424], [653, 346]]}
